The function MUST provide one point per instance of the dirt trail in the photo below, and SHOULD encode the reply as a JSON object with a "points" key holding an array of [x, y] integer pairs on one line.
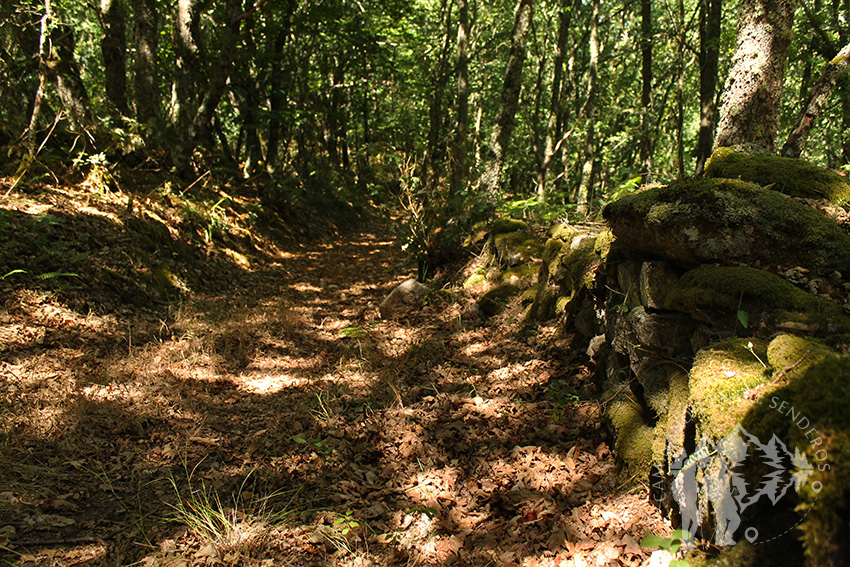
{"points": [[319, 433]]}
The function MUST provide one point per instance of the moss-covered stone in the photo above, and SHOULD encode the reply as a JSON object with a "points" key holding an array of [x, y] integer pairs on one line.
{"points": [[822, 395], [504, 226], [720, 220], [522, 276], [577, 268], [514, 248], [721, 382], [495, 300], [476, 282], [794, 177], [790, 356], [635, 439], [563, 232], [725, 290]]}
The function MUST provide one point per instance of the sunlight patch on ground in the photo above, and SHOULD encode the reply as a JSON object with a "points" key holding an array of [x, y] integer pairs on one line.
{"points": [[270, 384]]}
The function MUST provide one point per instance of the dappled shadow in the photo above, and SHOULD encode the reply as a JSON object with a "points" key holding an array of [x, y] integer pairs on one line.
{"points": [[440, 439]]}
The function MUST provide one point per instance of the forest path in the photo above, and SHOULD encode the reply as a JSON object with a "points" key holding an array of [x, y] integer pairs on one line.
{"points": [[323, 434]]}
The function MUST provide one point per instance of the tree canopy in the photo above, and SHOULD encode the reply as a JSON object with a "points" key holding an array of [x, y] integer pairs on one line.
{"points": [[563, 103]]}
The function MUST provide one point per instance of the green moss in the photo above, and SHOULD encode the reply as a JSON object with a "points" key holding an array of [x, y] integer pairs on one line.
{"points": [[561, 303], [602, 244], [475, 281], [578, 267], [502, 226], [522, 276], [791, 356], [563, 232], [705, 220], [552, 249], [728, 289], [635, 439], [494, 301], [721, 380], [794, 177], [822, 395], [529, 295], [507, 243]]}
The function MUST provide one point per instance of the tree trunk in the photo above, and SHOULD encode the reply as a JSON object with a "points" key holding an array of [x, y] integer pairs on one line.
{"points": [[184, 89], [439, 78], [680, 93], [646, 89], [709, 53], [749, 111], [279, 86], [200, 132], [817, 99], [146, 33], [554, 127], [460, 162], [61, 63], [584, 192], [113, 47], [491, 179]]}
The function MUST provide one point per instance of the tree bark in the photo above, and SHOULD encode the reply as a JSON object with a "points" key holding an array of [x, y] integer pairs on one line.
{"points": [[113, 48], [646, 89], [680, 93], [817, 99], [491, 179], [146, 34], [279, 86], [584, 192], [200, 131], [460, 162], [749, 111], [184, 90], [431, 165], [710, 12], [554, 128]]}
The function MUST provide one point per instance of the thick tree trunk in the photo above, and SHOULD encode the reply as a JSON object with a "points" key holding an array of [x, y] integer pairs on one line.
{"points": [[646, 89], [749, 110], [491, 179], [460, 149], [817, 99], [584, 192], [146, 34], [113, 48], [709, 53]]}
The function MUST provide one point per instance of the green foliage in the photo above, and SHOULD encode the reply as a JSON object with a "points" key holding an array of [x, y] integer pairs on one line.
{"points": [[670, 544]]}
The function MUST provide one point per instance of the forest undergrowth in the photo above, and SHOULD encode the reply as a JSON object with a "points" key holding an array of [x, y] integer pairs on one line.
{"points": [[168, 398]]}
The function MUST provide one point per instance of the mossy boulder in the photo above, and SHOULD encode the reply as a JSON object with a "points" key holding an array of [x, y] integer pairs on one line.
{"points": [[821, 394], [503, 226], [563, 232], [522, 276], [515, 248], [719, 292], [707, 221], [635, 436], [723, 383], [577, 268], [794, 177], [495, 300]]}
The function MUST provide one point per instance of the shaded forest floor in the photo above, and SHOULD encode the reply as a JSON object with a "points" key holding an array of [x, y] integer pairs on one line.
{"points": [[273, 418]]}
